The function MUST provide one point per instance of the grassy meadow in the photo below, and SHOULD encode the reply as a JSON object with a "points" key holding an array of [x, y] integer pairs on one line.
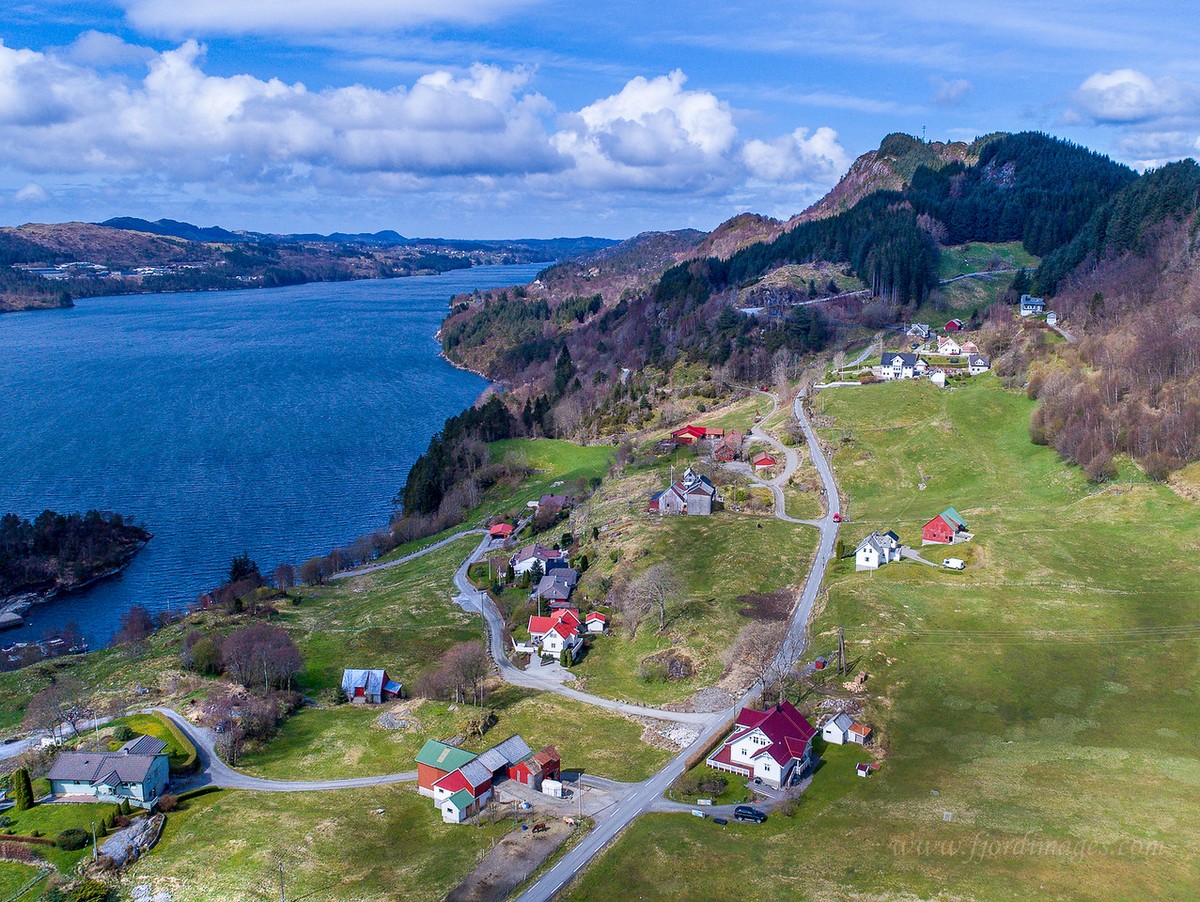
{"points": [[1035, 715]]}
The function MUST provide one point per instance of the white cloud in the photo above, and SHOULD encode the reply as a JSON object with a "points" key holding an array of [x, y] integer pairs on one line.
{"points": [[950, 92], [798, 157], [97, 48], [31, 193], [477, 138], [651, 134], [1130, 96], [189, 17]]}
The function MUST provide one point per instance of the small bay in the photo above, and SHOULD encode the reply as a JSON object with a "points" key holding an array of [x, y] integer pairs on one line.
{"points": [[280, 422]]}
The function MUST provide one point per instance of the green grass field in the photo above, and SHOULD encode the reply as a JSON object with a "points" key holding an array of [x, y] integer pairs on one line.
{"points": [[718, 558], [1036, 713], [552, 461], [362, 844], [51, 820], [977, 256], [400, 619], [348, 741], [13, 877]]}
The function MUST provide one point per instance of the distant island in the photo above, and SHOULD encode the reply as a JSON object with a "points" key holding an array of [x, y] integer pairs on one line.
{"points": [[50, 265], [60, 553]]}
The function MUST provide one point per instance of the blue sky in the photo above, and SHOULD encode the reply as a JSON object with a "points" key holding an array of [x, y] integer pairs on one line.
{"points": [[506, 118]]}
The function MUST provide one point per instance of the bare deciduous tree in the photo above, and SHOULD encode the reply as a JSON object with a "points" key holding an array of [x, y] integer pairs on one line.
{"points": [[657, 591]]}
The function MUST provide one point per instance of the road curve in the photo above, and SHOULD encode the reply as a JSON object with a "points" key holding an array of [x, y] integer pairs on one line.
{"points": [[646, 795], [215, 772], [371, 568]]}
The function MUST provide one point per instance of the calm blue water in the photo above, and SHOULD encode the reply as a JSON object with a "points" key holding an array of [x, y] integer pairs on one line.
{"points": [[280, 422]]}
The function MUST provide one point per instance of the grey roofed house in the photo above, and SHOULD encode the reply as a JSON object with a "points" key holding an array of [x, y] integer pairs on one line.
{"points": [[551, 588], [138, 771], [476, 771]]}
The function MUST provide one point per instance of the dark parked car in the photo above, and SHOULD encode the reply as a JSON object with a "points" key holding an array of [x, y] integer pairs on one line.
{"points": [[720, 820], [745, 813]]}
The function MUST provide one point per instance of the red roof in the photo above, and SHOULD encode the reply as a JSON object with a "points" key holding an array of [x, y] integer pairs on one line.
{"points": [[860, 730], [596, 615], [764, 460], [786, 728], [564, 621], [501, 530]]}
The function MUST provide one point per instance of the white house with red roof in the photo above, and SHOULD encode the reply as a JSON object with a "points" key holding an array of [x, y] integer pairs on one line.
{"points": [[561, 630], [596, 622], [772, 745]]}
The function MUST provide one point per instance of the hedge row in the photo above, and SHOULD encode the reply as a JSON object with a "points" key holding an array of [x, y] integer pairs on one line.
{"points": [[32, 840], [191, 762]]}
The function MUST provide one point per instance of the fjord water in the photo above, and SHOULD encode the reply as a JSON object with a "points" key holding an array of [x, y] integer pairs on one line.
{"points": [[276, 421]]}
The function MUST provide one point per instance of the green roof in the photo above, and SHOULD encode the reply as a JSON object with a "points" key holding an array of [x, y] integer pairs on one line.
{"points": [[442, 756], [952, 516], [462, 800]]}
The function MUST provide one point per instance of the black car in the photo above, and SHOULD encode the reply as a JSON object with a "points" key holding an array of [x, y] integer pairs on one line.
{"points": [[746, 814]]}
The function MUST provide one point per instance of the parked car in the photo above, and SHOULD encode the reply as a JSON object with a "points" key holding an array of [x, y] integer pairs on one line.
{"points": [[953, 563], [720, 820], [745, 813]]}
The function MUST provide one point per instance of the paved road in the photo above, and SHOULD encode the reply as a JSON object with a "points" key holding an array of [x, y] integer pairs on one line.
{"points": [[472, 600], [21, 746], [215, 772], [791, 464], [647, 795], [371, 568]]}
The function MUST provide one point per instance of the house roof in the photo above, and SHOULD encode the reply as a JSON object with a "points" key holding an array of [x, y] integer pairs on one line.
{"points": [[462, 800], [841, 721], [512, 749], [502, 529], [476, 772], [786, 729], [954, 518], [537, 551], [881, 542], [548, 755], [144, 745], [596, 615], [443, 756], [859, 729], [764, 458], [905, 359], [370, 681], [551, 587], [492, 760], [454, 781], [978, 360], [109, 769], [1028, 300]]}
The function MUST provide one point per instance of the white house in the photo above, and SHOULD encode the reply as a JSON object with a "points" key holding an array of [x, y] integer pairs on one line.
{"points": [[977, 364], [369, 687], [557, 632], [596, 622], [947, 345], [876, 550], [901, 366], [770, 745], [837, 729], [1031, 306], [523, 561], [938, 377], [138, 772], [1051, 318]]}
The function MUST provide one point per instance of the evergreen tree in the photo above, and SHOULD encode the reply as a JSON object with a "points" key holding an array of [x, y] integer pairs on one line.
{"points": [[22, 789], [564, 372]]}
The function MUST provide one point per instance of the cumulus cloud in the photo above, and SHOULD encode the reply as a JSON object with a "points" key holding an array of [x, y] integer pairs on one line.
{"points": [[797, 157], [483, 136], [188, 17], [950, 92], [1129, 96], [651, 134], [97, 48]]}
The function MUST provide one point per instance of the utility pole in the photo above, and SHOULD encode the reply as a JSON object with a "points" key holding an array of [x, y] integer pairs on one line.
{"points": [[841, 651], [282, 892]]}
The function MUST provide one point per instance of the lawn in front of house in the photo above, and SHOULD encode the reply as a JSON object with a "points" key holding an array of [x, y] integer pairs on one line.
{"points": [[52, 819], [14, 876], [385, 842], [1034, 711]]}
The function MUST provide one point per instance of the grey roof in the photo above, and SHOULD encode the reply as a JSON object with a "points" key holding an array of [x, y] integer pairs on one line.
{"points": [[1028, 300], [551, 587], [538, 551], [144, 745], [370, 680], [492, 760], [100, 768], [978, 360], [842, 721], [881, 542], [514, 748], [906, 359], [476, 771]]}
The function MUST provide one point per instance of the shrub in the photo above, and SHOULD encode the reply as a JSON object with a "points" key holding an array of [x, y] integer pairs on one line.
{"points": [[125, 808], [22, 789], [72, 839], [36, 834], [168, 802], [89, 891]]}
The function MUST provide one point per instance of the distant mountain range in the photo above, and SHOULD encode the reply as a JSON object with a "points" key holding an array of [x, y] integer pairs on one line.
{"points": [[48, 265]]}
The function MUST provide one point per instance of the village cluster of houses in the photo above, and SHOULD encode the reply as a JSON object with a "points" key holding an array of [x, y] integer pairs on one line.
{"points": [[879, 548], [725, 444], [461, 782], [922, 338], [562, 628]]}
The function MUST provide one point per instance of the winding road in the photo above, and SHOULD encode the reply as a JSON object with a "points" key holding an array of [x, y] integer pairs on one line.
{"points": [[645, 796]]}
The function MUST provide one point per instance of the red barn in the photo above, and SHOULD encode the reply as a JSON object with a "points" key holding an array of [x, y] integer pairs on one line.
{"points": [[764, 460], [955, 325], [501, 531], [944, 528], [534, 768]]}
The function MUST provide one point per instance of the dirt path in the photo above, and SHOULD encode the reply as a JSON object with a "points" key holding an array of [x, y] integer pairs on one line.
{"points": [[508, 865]]}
